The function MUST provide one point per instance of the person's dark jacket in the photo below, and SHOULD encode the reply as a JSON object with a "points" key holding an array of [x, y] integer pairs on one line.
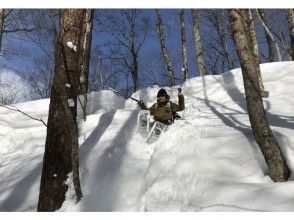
{"points": [[162, 112]]}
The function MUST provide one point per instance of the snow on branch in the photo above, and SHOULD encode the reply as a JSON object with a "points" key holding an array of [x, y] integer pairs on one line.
{"points": [[71, 102], [71, 46], [82, 79]]}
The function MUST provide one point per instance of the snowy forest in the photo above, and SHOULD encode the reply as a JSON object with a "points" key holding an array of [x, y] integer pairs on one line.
{"points": [[146, 110]]}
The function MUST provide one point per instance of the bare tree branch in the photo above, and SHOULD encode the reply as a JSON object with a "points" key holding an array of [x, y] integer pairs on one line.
{"points": [[14, 108], [19, 30]]}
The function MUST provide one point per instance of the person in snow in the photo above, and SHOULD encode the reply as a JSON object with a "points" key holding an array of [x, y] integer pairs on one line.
{"points": [[164, 110]]}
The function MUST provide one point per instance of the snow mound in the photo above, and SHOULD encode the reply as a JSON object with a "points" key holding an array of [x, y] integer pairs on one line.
{"points": [[104, 99], [208, 161]]}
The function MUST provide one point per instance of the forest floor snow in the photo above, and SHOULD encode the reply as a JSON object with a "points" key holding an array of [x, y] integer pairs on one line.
{"points": [[209, 161]]}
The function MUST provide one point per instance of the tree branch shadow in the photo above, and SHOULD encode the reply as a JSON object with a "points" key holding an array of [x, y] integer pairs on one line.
{"points": [[87, 146], [232, 122], [20, 190], [231, 208], [106, 180], [239, 98]]}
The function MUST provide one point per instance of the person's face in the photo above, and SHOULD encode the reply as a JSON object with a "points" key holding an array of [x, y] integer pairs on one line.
{"points": [[161, 98]]}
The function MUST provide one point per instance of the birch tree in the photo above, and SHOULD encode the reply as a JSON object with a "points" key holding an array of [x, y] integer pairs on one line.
{"points": [[273, 47], [241, 23], [220, 58], [198, 43], [85, 45], [253, 37], [165, 54], [127, 29], [184, 46], [290, 17]]}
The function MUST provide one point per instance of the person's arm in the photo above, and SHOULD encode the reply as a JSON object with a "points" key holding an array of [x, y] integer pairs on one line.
{"points": [[152, 109], [142, 105], [181, 102]]}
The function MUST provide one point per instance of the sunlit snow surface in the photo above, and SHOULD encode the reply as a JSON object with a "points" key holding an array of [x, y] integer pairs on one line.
{"points": [[207, 162]]}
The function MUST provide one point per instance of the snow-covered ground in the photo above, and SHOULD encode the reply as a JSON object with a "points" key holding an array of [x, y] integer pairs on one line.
{"points": [[207, 162]]}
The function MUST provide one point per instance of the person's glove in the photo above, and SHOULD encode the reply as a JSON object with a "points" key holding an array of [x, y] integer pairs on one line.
{"points": [[141, 104], [180, 91]]}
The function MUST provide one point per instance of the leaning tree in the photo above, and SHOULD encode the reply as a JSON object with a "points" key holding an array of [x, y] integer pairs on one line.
{"points": [[242, 28]]}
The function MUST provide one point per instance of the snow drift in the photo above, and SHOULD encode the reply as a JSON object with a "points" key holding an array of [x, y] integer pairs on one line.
{"points": [[208, 161]]}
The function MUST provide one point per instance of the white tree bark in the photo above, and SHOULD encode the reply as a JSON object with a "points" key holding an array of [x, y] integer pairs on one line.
{"points": [[167, 59], [184, 46], [250, 22], [269, 34], [272, 54], [85, 57], [241, 24], [290, 16], [198, 43]]}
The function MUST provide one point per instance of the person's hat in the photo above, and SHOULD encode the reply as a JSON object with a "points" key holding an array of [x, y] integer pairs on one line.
{"points": [[162, 92]]}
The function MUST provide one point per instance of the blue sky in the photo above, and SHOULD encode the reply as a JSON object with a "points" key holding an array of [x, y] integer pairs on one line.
{"points": [[19, 44]]}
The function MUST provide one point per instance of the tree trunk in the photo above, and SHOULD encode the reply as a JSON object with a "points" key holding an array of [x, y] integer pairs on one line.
{"points": [[52, 15], [197, 43], [85, 57], [273, 47], [184, 46], [223, 42], [222, 33], [167, 59], [1, 26], [101, 74], [134, 65], [240, 20], [252, 33], [290, 16], [218, 19], [61, 148]]}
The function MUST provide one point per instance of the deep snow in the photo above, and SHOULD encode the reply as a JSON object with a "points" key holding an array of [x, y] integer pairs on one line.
{"points": [[207, 162]]}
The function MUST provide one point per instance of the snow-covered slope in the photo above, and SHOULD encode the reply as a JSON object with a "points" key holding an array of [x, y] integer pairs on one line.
{"points": [[207, 162]]}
